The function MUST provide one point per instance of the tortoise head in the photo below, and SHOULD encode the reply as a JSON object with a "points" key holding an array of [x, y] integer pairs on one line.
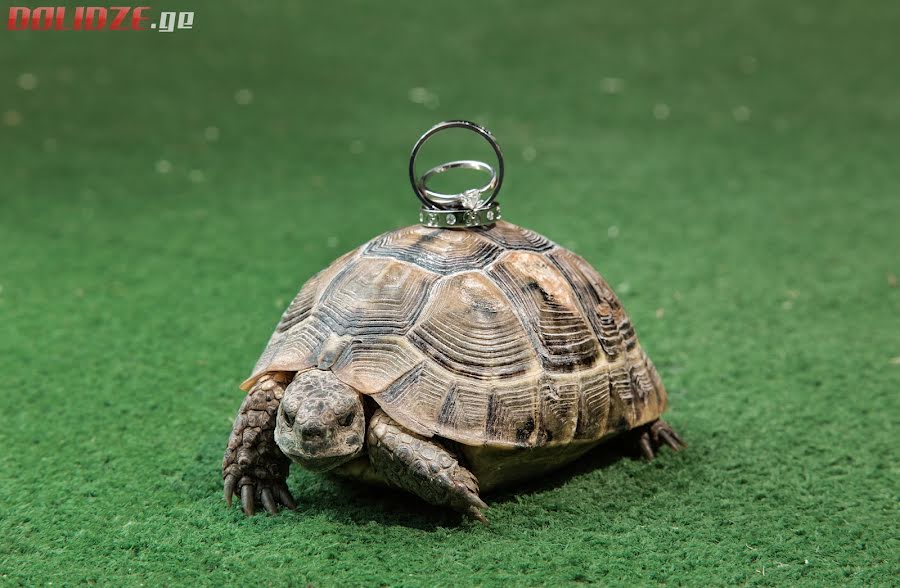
{"points": [[321, 422]]}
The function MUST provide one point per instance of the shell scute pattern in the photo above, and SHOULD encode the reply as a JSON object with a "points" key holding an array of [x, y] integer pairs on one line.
{"points": [[437, 250], [511, 237], [600, 305], [374, 296], [487, 337], [559, 410], [594, 404], [547, 306], [471, 330], [302, 304], [372, 363]]}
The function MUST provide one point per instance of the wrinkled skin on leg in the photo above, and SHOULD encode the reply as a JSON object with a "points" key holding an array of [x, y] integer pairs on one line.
{"points": [[321, 422], [422, 466], [254, 467]]}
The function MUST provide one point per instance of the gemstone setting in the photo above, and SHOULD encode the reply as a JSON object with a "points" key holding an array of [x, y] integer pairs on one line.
{"points": [[460, 218]]}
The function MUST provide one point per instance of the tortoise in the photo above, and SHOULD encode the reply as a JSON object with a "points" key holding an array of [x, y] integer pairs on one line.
{"points": [[444, 362]]}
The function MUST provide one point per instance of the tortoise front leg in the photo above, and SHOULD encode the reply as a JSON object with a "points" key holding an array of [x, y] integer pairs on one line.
{"points": [[421, 466], [254, 467]]}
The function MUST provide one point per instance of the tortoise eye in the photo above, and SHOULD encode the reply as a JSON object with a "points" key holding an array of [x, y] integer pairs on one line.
{"points": [[346, 420], [288, 416]]}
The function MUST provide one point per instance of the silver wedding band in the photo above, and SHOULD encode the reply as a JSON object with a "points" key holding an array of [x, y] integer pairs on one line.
{"points": [[470, 199], [435, 201]]}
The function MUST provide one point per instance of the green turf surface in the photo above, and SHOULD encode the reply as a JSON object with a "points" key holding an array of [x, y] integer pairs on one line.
{"points": [[746, 154]]}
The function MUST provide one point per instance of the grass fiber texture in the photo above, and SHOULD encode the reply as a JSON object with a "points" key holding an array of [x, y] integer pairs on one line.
{"points": [[730, 168]]}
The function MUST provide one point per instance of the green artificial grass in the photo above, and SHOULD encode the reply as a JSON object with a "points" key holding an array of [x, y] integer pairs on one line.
{"points": [[730, 168]]}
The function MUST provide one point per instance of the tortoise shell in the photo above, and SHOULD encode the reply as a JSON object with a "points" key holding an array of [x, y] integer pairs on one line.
{"points": [[493, 336]]}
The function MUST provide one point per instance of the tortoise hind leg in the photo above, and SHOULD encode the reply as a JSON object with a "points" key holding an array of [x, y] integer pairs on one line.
{"points": [[254, 467], [653, 435], [422, 466]]}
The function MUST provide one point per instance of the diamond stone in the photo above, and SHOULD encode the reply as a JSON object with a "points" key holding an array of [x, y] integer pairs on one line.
{"points": [[470, 199], [451, 219], [490, 215]]}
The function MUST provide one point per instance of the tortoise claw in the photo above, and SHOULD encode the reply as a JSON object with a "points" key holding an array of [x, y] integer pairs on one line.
{"points": [[670, 441], [468, 501], [252, 495], [654, 435], [477, 515], [677, 438], [247, 499], [229, 488], [645, 446], [268, 502], [466, 497], [660, 429], [284, 497]]}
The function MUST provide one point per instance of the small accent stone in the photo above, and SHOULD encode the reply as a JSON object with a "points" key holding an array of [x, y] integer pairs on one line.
{"points": [[490, 215], [451, 219]]}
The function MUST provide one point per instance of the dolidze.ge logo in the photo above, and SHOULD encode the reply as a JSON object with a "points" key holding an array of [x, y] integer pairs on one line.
{"points": [[95, 18]]}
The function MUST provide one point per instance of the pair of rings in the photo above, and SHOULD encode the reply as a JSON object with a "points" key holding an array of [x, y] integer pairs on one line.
{"points": [[470, 208]]}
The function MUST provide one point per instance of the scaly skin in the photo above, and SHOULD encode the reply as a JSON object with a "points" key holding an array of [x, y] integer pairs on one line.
{"points": [[254, 467], [422, 466]]}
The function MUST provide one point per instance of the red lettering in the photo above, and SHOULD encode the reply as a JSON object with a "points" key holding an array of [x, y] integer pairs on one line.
{"points": [[60, 19], [90, 13], [137, 16], [42, 18], [119, 18], [14, 13], [87, 18]]}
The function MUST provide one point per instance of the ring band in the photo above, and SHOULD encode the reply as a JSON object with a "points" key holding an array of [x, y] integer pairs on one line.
{"points": [[470, 199], [460, 219], [417, 184]]}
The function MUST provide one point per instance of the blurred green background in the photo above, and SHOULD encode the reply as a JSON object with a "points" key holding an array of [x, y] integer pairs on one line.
{"points": [[731, 168]]}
